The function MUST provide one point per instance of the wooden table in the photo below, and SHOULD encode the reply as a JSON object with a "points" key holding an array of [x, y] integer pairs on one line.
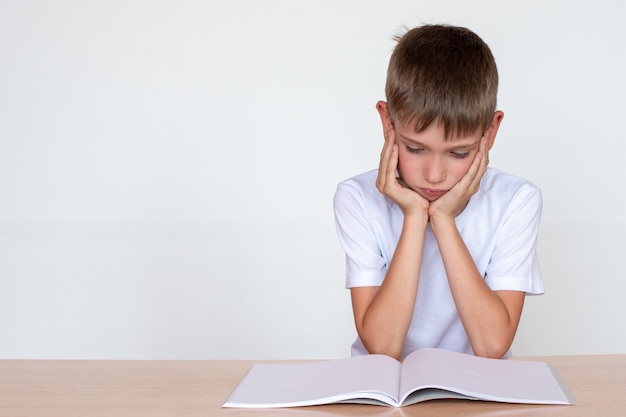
{"points": [[198, 388]]}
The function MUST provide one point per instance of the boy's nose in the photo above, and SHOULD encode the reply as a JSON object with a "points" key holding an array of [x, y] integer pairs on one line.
{"points": [[434, 171]]}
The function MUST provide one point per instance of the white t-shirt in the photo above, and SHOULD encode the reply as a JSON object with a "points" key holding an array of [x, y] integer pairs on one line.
{"points": [[499, 227]]}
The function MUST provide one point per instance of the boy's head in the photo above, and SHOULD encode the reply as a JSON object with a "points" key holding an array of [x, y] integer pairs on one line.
{"points": [[442, 74]]}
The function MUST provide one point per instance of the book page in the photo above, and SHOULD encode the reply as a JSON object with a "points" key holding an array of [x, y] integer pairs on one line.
{"points": [[287, 385], [503, 380]]}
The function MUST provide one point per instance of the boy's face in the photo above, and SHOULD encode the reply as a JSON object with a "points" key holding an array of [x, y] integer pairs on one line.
{"points": [[431, 165]]}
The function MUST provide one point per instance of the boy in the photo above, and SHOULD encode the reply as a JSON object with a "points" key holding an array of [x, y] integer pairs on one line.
{"points": [[440, 249]]}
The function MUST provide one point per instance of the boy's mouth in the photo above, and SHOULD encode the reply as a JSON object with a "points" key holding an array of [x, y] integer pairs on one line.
{"points": [[431, 193]]}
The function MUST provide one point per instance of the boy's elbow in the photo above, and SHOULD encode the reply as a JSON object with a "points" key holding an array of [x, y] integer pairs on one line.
{"points": [[383, 348], [497, 350], [491, 354]]}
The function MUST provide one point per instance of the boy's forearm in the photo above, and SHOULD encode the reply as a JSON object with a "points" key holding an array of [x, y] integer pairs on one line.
{"points": [[388, 317], [490, 324]]}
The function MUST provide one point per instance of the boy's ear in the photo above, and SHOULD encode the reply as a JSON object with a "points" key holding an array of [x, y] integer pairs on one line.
{"points": [[385, 119], [492, 130]]}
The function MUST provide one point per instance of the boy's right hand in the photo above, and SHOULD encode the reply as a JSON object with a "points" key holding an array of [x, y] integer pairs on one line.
{"points": [[393, 187]]}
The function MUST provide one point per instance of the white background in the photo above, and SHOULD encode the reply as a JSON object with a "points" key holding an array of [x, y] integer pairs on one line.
{"points": [[167, 169]]}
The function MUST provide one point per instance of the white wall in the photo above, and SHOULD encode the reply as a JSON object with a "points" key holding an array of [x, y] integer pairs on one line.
{"points": [[167, 169]]}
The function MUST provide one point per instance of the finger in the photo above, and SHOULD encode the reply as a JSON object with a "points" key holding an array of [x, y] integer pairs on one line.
{"points": [[387, 178], [473, 174], [392, 165], [383, 165], [485, 160], [476, 163], [391, 151], [485, 151], [479, 166]]}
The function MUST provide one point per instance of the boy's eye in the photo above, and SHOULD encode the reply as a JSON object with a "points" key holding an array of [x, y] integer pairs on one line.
{"points": [[413, 150], [459, 155]]}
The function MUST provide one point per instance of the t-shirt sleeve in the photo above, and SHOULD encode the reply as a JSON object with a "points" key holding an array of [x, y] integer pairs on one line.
{"points": [[514, 264], [365, 265]]}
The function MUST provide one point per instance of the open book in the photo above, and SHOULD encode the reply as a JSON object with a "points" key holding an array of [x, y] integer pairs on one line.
{"points": [[425, 374]]}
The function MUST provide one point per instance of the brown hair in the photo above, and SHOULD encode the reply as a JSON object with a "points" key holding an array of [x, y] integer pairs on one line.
{"points": [[443, 74]]}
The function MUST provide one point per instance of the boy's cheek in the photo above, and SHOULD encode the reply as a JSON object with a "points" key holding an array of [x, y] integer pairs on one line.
{"points": [[408, 164], [464, 170], [401, 170], [407, 175]]}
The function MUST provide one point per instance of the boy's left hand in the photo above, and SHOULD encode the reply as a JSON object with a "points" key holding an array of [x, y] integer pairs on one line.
{"points": [[452, 203]]}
